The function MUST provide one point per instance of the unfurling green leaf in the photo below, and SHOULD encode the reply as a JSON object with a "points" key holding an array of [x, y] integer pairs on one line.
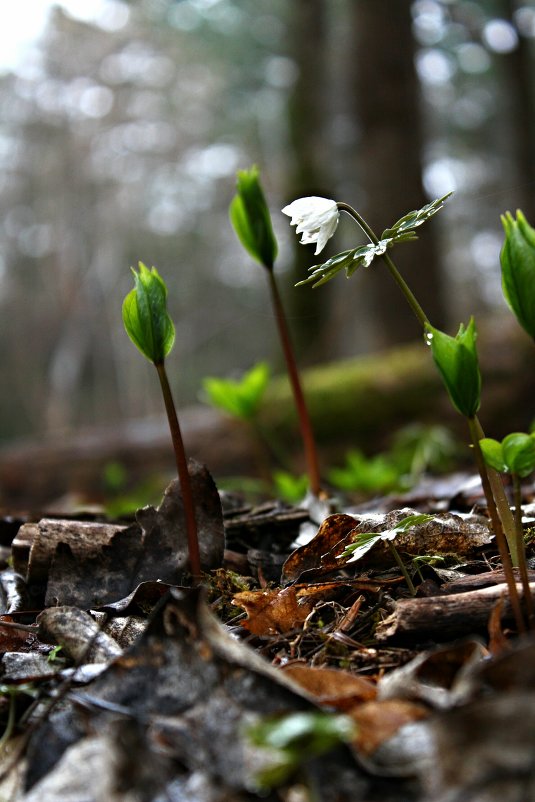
{"points": [[414, 219], [514, 455], [145, 316], [518, 269], [250, 217], [242, 398], [365, 541], [457, 362]]}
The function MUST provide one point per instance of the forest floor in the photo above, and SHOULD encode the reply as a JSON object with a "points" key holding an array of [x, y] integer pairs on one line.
{"points": [[301, 668]]}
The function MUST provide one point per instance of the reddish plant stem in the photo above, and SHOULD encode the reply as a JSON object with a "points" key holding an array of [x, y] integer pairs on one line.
{"points": [[183, 474], [309, 444]]}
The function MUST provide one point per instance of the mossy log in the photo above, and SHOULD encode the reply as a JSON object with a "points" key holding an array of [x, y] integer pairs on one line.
{"points": [[353, 403]]}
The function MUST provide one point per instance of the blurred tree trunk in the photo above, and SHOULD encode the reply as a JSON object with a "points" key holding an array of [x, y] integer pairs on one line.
{"points": [[520, 69], [308, 159], [389, 161]]}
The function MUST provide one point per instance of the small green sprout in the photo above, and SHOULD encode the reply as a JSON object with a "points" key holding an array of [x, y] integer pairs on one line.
{"points": [[457, 362], [376, 474], [290, 488], [54, 655], [250, 217], [150, 328], [518, 269], [514, 455], [295, 738], [145, 316], [239, 398]]}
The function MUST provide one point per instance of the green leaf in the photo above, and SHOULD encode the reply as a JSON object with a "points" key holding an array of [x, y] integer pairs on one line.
{"points": [[295, 738], [493, 454], [518, 269], [457, 362], [363, 542], [369, 475], [290, 488], [145, 316], [251, 220], [413, 219], [241, 398], [519, 453]]}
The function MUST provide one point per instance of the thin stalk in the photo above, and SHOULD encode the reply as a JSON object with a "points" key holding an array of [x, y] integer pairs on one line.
{"points": [[513, 533], [522, 563], [402, 568], [517, 497], [183, 474], [309, 444], [497, 527], [394, 272]]}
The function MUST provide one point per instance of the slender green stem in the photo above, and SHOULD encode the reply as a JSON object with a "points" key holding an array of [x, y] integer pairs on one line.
{"points": [[497, 526], [309, 444], [402, 567], [517, 497], [394, 272], [522, 563], [183, 474]]}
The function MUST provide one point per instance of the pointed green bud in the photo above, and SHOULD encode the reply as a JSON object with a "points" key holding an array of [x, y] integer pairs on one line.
{"points": [[518, 269], [519, 453], [145, 315], [249, 215], [493, 454], [456, 359]]}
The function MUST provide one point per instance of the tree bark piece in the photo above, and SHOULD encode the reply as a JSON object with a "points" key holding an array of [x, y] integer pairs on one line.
{"points": [[445, 617]]}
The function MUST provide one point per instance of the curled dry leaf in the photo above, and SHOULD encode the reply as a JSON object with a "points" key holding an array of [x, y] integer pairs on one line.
{"points": [[272, 612], [333, 687]]}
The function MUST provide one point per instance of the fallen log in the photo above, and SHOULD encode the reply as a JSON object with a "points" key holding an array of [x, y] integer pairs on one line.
{"points": [[445, 617]]}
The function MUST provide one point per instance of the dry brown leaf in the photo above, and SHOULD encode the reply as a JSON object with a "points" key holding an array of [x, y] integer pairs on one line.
{"points": [[331, 686], [377, 721], [272, 612]]}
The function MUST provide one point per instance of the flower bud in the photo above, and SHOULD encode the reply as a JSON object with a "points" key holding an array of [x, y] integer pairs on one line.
{"points": [[518, 269], [145, 316], [456, 359], [249, 215]]}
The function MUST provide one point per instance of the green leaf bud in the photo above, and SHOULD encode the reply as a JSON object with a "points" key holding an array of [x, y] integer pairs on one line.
{"points": [[250, 217], [493, 454], [457, 362], [518, 269], [145, 316], [519, 453]]}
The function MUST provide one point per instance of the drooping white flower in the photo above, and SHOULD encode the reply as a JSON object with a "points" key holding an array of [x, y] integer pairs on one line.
{"points": [[316, 219]]}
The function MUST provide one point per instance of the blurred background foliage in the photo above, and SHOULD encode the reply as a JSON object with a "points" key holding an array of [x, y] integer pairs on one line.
{"points": [[120, 136]]}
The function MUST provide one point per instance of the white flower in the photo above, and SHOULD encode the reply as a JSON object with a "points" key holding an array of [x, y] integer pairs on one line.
{"points": [[316, 219]]}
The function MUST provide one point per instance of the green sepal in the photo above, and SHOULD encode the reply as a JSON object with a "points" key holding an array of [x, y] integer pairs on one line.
{"points": [[145, 316], [518, 269], [251, 220], [457, 361]]}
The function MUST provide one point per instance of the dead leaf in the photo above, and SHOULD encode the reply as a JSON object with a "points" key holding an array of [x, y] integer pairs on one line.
{"points": [[322, 551], [272, 612], [377, 721], [330, 686]]}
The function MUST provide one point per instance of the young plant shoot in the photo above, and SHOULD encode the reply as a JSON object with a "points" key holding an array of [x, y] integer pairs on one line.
{"points": [[249, 215], [518, 269], [455, 357], [150, 328]]}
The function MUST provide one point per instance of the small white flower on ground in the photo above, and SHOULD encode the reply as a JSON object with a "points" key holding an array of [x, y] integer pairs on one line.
{"points": [[316, 219]]}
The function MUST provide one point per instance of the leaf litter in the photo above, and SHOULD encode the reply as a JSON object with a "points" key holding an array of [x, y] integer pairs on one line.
{"points": [[307, 674]]}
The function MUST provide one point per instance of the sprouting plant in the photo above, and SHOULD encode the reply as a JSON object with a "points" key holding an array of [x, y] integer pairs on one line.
{"points": [[518, 269], [249, 215], [293, 739], [289, 487], [455, 357], [364, 541], [418, 448], [377, 474], [239, 398], [13, 692], [150, 328], [515, 455]]}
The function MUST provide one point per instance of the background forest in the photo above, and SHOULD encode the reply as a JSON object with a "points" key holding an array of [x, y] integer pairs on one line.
{"points": [[120, 137]]}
